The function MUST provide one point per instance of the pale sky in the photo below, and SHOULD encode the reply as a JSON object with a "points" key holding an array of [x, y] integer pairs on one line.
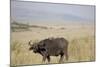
{"points": [[36, 11]]}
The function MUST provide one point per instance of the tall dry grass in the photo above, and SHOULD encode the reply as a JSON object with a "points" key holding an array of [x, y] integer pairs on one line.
{"points": [[81, 44]]}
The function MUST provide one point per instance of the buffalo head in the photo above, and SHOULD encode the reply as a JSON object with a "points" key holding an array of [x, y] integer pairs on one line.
{"points": [[33, 46], [37, 47]]}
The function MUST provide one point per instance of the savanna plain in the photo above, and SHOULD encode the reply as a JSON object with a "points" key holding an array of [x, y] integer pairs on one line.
{"points": [[81, 39]]}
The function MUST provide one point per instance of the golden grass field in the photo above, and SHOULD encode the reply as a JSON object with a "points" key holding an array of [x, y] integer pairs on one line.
{"points": [[81, 43]]}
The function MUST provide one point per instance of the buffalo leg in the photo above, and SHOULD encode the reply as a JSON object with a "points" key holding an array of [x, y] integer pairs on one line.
{"points": [[61, 57], [44, 58], [44, 54], [48, 58], [66, 55]]}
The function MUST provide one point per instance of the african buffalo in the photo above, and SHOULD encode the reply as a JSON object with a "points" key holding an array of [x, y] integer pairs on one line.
{"points": [[51, 47]]}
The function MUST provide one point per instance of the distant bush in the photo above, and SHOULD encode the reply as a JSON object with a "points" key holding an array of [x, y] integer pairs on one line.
{"points": [[62, 28], [15, 27], [42, 27]]}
